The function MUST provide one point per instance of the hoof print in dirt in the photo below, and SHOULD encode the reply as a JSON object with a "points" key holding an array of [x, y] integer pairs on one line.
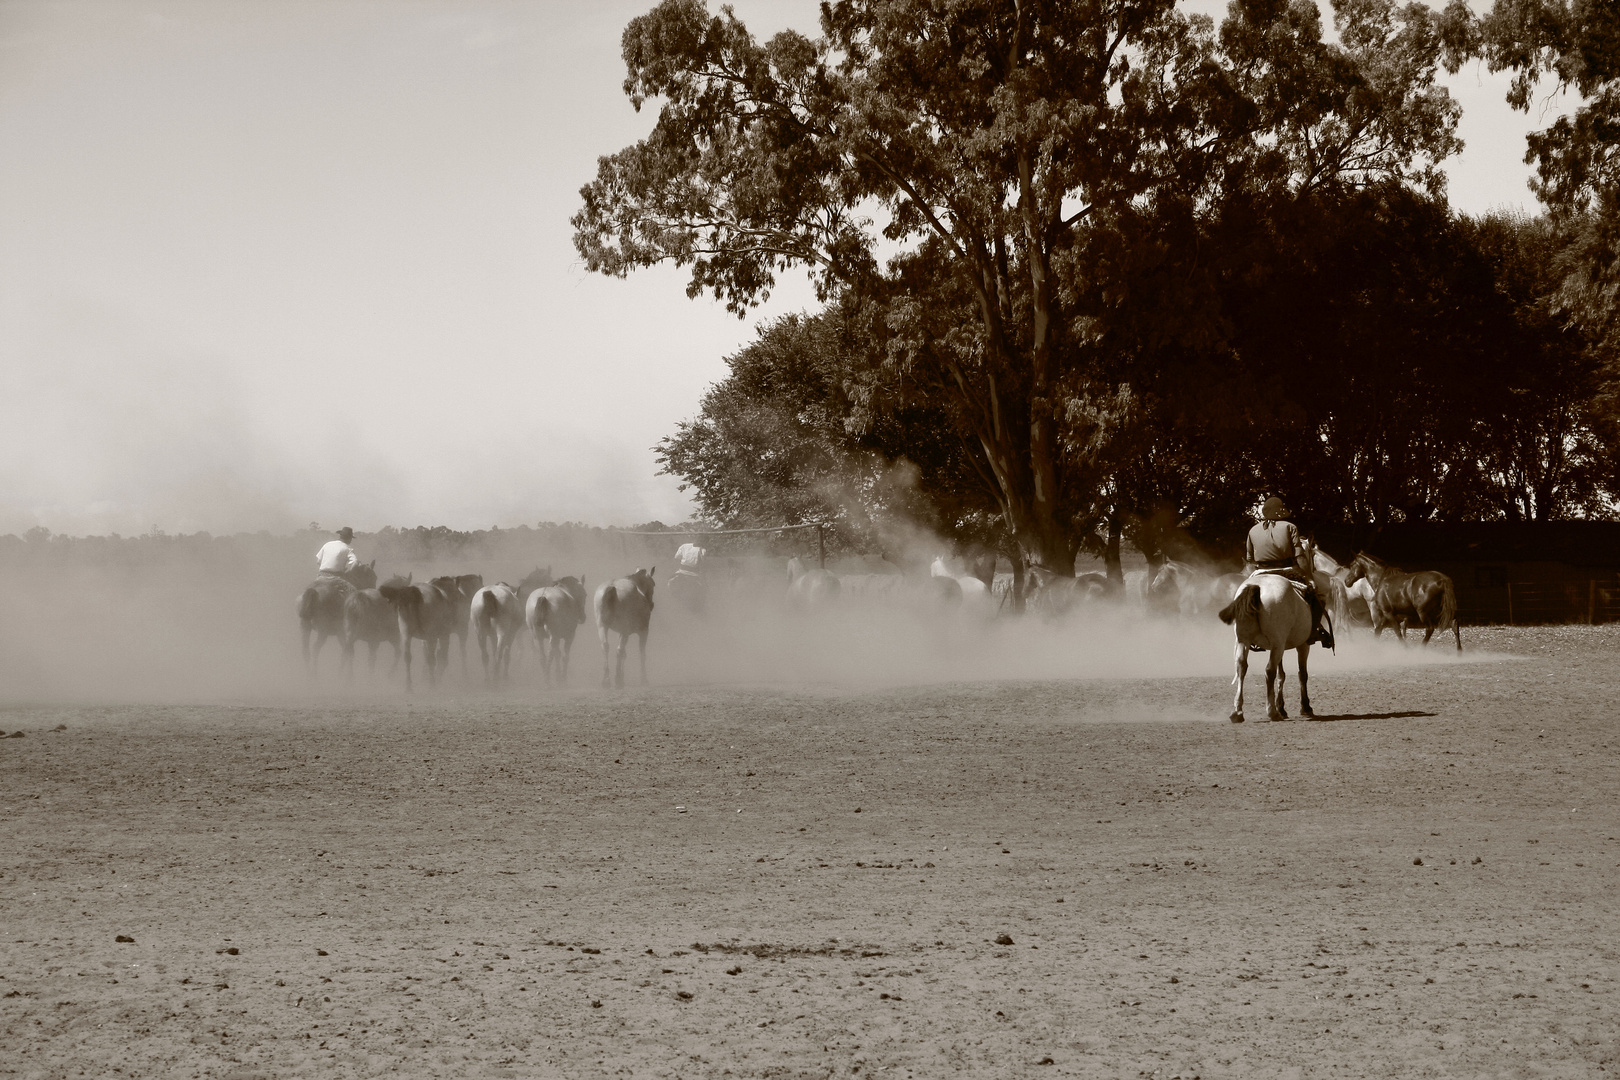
{"points": [[124, 939], [1004, 939], [320, 952], [683, 995], [1046, 1061], [596, 1004]]}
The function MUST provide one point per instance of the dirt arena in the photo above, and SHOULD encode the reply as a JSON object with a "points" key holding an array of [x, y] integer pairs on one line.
{"points": [[1096, 878]]}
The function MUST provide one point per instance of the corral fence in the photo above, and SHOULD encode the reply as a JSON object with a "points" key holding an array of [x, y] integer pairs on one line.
{"points": [[1532, 603], [703, 534]]}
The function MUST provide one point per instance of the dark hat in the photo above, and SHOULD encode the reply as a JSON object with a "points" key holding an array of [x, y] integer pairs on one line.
{"points": [[1275, 509], [346, 533]]}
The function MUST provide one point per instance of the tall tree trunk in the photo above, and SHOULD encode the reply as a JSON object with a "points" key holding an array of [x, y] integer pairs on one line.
{"points": [[1116, 573]]}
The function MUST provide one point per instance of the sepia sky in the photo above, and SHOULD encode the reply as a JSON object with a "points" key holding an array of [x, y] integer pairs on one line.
{"points": [[264, 262]]}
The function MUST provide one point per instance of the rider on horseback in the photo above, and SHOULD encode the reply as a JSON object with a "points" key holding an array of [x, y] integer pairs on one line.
{"points": [[336, 557], [1274, 547]]}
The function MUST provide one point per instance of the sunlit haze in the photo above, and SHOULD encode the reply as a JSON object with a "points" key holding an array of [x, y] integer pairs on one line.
{"points": [[263, 263]]}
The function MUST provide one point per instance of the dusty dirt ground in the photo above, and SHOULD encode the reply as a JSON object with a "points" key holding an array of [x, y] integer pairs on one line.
{"points": [[990, 879]]}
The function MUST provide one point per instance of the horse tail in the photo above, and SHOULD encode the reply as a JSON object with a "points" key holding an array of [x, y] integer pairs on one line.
{"points": [[606, 601], [1448, 609], [307, 603], [1244, 603]]}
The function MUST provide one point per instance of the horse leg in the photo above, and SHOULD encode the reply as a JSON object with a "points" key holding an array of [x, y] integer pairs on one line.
{"points": [[1242, 674], [303, 634], [618, 669], [483, 652], [567, 647], [371, 660], [641, 638], [606, 681], [406, 649], [1274, 686], [1304, 682]]}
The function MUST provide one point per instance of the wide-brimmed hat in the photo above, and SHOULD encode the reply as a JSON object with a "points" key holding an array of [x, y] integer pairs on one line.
{"points": [[1275, 509], [345, 533]]}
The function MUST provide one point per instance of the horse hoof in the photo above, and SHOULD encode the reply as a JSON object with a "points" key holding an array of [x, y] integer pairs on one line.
{"points": [[1237, 718], [1309, 714]]}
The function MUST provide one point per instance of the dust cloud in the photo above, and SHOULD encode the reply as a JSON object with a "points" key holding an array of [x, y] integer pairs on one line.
{"points": [[212, 619]]}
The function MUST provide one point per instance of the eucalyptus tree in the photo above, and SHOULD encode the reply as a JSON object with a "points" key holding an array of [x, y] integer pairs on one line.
{"points": [[1008, 184]]}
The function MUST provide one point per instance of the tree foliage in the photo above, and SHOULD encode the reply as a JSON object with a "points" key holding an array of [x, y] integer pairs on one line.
{"points": [[1041, 175]]}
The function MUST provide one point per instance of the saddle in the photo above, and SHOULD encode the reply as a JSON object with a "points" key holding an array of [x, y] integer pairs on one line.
{"points": [[1305, 590]]}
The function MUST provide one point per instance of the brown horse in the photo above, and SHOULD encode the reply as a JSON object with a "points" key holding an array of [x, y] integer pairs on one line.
{"points": [[369, 618], [461, 589], [1425, 599], [625, 607], [497, 613], [553, 614], [428, 612], [320, 607]]}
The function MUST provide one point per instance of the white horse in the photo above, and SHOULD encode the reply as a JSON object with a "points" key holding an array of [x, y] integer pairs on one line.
{"points": [[497, 614], [625, 607], [1270, 613], [810, 589], [553, 614], [976, 598]]}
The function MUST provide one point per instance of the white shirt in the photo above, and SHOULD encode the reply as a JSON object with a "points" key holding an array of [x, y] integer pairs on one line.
{"points": [[336, 557], [687, 557]]}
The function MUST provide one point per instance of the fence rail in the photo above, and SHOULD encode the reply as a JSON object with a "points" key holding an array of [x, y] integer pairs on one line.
{"points": [[1529, 603]]}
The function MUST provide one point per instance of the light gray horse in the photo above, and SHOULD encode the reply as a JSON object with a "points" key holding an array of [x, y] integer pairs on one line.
{"points": [[810, 589], [625, 607], [497, 615], [1270, 614], [553, 614]]}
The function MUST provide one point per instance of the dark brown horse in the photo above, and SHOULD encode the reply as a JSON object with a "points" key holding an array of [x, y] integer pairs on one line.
{"points": [[368, 617], [1425, 599], [320, 607], [461, 589]]}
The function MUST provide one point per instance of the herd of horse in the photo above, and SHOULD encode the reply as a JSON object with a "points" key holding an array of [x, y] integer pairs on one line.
{"points": [[1269, 613], [353, 608]]}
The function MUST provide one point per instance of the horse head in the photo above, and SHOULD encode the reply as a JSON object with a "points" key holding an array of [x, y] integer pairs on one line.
{"points": [[644, 580], [536, 579]]}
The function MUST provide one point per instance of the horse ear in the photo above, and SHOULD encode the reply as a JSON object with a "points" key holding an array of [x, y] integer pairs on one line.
{"points": [[651, 572]]}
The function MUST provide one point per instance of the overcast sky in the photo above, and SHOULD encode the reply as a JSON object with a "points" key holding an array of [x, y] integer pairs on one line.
{"points": [[264, 262]]}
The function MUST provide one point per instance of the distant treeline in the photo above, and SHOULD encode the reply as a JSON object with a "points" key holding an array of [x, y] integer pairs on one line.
{"points": [[423, 548]]}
